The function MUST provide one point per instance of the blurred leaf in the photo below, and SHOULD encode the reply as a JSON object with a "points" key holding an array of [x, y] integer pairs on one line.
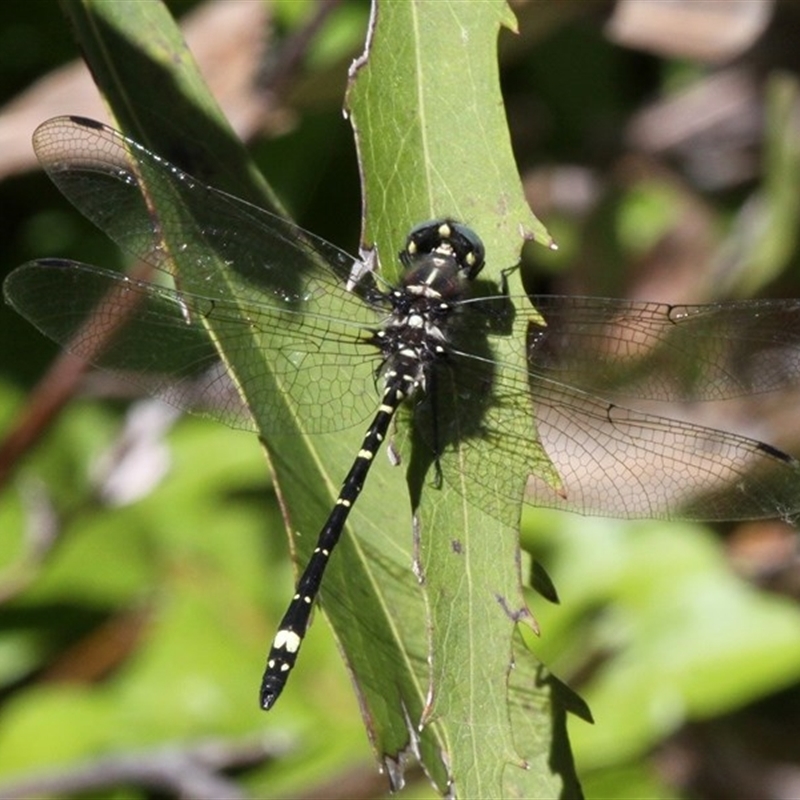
{"points": [[764, 233], [32, 728], [679, 637]]}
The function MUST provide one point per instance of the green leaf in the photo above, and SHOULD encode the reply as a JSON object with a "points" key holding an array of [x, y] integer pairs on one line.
{"points": [[431, 134], [433, 142]]}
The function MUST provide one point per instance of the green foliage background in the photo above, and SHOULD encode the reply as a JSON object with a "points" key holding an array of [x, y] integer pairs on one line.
{"points": [[147, 623]]}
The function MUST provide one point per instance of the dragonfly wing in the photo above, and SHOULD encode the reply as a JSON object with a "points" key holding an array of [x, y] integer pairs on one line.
{"points": [[623, 349], [158, 213], [270, 297], [166, 342], [606, 458], [615, 461]]}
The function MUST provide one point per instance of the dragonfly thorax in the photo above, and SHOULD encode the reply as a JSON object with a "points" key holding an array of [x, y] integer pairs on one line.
{"points": [[440, 263]]}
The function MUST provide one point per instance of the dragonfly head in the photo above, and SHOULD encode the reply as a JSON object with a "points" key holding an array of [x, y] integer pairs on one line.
{"points": [[449, 240]]}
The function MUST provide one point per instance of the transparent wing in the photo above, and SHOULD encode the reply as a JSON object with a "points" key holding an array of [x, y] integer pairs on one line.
{"points": [[243, 280], [615, 461], [158, 338], [159, 214], [256, 280], [611, 459], [656, 351]]}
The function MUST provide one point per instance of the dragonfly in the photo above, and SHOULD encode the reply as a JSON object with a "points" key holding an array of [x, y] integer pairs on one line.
{"points": [[585, 384]]}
